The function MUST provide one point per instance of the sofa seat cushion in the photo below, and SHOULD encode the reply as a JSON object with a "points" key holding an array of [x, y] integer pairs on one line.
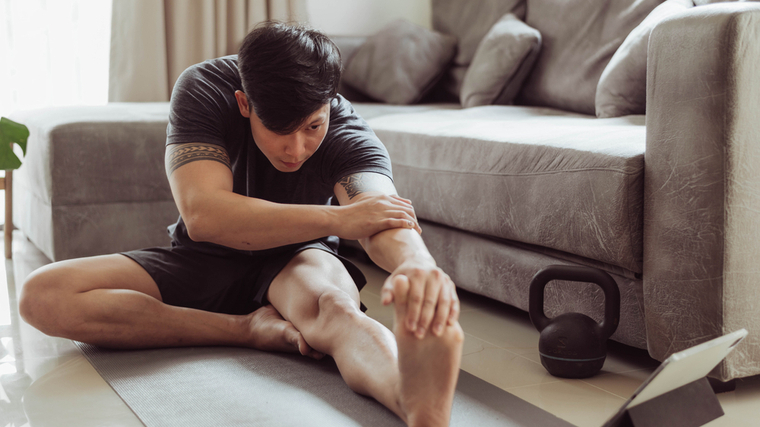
{"points": [[541, 176]]}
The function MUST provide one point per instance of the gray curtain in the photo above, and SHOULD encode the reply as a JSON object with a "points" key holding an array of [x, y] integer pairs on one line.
{"points": [[153, 41]]}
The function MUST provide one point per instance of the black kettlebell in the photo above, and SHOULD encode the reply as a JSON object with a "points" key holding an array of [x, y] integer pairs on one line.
{"points": [[573, 345]]}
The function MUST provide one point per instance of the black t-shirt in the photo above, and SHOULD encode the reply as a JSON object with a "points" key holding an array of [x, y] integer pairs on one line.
{"points": [[203, 109]]}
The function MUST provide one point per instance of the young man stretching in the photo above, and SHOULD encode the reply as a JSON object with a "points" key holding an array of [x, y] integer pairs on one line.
{"points": [[253, 260]]}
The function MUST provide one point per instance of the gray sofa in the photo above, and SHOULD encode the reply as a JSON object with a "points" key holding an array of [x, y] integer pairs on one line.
{"points": [[667, 202]]}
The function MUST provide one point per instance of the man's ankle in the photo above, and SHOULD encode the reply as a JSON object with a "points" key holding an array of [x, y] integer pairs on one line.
{"points": [[241, 330]]}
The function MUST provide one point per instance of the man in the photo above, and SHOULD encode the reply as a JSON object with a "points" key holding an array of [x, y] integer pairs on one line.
{"points": [[253, 260]]}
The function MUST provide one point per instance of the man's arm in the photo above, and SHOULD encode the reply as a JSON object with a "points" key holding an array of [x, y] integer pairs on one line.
{"points": [[201, 183], [415, 280]]}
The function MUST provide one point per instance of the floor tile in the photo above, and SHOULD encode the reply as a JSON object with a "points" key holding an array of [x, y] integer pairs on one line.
{"points": [[734, 420], [742, 407], [375, 276], [75, 394], [622, 385], [472, 301], [375, 308], [507, 331], [474, 345], [34, 344], [504, 369], [572, 400]]}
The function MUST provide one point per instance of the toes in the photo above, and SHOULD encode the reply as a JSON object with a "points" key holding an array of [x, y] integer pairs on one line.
{"points": [[294, 338], [305, 349]]}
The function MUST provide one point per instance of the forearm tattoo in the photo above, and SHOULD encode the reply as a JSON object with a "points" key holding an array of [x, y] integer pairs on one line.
{"points": [[182, 154], [361, 182]]}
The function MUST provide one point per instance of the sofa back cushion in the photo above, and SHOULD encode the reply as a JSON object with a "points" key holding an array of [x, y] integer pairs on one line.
{"points": [[401, 63], [469, 21], [622, 87], [579, 38], [501, 63]]}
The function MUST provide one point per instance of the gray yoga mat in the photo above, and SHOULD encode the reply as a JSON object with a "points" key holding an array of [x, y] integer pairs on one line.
{"points": [[221, 386]]}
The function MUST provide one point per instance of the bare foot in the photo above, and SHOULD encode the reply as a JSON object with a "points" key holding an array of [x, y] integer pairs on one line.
{"points": [[429, 369], [270, 332]]}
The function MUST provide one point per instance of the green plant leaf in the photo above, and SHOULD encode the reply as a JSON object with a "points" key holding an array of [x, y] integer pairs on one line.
{"points": [[11, 132]]}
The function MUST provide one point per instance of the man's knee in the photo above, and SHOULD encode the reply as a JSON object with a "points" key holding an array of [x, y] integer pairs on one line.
{"points": [[313, 290], [39, 296], [337, 306], [334, 312]]}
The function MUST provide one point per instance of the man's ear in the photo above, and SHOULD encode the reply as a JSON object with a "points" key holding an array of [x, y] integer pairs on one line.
{"points": [[242, 101]]}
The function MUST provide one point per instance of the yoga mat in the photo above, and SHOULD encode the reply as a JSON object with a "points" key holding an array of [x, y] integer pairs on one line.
{"points": [[223, 386]]}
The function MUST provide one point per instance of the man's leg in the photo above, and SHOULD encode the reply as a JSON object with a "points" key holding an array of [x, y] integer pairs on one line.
{"points": [[412, 377], [112, 301]]}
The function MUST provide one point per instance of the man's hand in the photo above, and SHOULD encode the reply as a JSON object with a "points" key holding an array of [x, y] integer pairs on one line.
{"points": [[428, 294], [383, 223], [372, 213]]}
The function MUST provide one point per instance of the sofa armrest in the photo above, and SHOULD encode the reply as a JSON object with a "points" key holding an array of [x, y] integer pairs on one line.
{"points": [[93, 180], [702, 183]]}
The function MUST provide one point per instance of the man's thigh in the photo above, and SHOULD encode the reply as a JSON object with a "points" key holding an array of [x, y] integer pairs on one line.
{"points": [[86, 274], [296, 290]]}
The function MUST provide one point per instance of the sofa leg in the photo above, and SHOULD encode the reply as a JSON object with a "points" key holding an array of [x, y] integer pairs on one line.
{"points": [[722, 387]]}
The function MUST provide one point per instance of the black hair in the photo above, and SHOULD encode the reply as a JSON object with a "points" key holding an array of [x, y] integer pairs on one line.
{"points": [[287, 73]]}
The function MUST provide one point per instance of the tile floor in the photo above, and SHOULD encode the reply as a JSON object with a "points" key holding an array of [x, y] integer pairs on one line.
{"points": [[46, 381]]}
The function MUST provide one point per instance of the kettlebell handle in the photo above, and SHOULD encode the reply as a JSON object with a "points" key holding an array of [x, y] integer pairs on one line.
{"points": [[575, 274]]}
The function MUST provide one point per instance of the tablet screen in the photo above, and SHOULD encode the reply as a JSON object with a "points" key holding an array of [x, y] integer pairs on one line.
{"points": [[686, 366]]}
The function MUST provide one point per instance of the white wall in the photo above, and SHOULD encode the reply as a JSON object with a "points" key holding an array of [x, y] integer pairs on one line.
{"points": [[364, 17]]}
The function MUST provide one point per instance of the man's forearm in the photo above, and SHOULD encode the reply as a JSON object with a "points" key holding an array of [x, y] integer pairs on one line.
{"points": [[390, 248], [246, 223]]}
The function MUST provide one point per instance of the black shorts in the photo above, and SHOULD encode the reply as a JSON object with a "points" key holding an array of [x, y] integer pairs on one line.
{"points": [[233, 282]]}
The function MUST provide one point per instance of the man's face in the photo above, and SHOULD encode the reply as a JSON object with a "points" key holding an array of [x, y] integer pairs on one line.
{"points": [[287, 153]]}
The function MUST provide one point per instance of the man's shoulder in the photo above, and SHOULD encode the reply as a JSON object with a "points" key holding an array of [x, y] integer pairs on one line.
{"points": [[221, 73], [222, 64], [203, 103], [208, 84]]}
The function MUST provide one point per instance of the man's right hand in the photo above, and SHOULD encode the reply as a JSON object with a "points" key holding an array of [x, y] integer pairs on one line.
{"points": [[374, 212]]}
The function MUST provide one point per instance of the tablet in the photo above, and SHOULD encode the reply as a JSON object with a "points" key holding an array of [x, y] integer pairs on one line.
{"points": [[683, 368]]}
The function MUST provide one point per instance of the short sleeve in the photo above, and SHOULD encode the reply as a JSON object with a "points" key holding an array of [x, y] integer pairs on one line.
{"points": [[351, 145], [202, 103]]}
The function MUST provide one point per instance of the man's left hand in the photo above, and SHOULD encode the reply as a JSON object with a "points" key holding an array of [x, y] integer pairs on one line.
{"points": [[428, 293]]}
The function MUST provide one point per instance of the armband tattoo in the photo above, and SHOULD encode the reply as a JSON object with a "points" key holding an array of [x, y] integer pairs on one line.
{"points": [[183, 154]]}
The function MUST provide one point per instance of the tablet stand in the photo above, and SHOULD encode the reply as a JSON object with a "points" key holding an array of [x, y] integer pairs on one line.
{"points": [[692, 405]]}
